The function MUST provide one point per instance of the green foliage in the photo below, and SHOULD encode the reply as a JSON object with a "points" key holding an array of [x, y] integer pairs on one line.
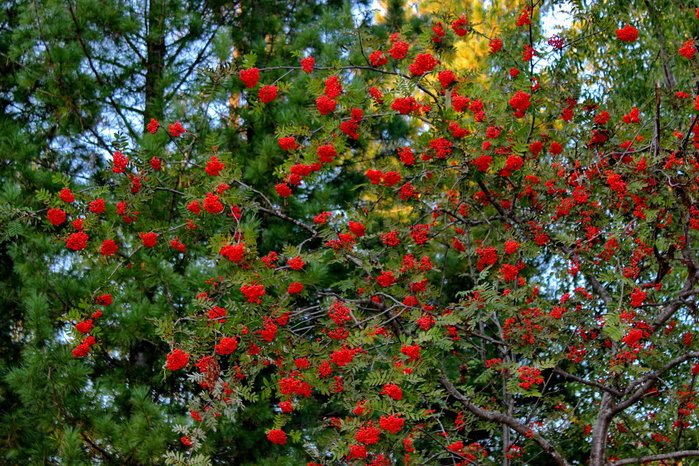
{"points": [[506, 292], [72, 93]]}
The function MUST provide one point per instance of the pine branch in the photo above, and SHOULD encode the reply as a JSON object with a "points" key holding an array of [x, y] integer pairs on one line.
{"points": [[98, 76]]}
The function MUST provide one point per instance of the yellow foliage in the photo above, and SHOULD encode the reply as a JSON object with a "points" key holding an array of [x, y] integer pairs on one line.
{"points": [[486, 17]]}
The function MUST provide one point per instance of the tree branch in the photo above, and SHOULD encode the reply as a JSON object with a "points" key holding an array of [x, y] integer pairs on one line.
{"points": [[500, 418], [192, 66], [674, 305], [645, 382], [660, 457], [273, 211], [298, 223], [98, 77], [570, 376], [667, 73], [97, 448], [357, 67]]}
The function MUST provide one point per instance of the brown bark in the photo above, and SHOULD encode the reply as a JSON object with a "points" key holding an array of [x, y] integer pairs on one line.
{"points": [[598, 451], [505, 420], [670, 81], [155, 61], [659, 457]]}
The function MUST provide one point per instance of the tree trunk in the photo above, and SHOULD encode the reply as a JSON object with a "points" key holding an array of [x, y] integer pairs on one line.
{"points": [[155, 60], [600, 431]]}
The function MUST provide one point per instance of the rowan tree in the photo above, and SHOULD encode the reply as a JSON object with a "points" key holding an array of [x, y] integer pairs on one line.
{"points": [[511, 280]]}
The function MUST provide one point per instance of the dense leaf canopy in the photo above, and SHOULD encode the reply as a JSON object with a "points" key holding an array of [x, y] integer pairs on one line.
{"points": [[303, 233]]}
